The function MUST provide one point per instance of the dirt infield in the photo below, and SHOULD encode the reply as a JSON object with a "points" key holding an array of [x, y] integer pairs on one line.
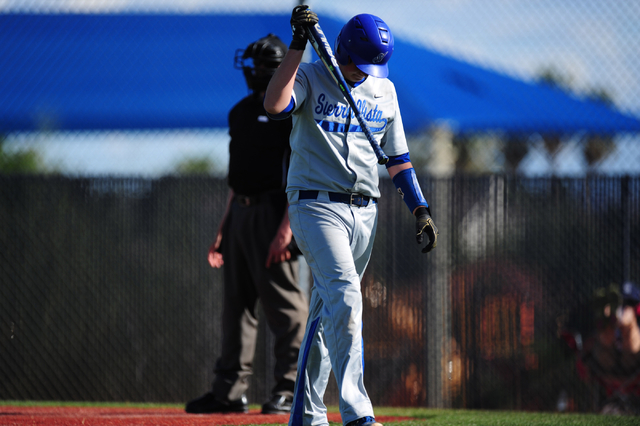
{"points": [[100, 416]]}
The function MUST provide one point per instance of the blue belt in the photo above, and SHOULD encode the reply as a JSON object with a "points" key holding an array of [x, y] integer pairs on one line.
{"points": [[352, 199]]}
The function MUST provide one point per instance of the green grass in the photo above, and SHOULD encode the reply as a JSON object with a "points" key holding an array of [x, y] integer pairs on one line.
{"points": [[423, 416], [441, 417]]}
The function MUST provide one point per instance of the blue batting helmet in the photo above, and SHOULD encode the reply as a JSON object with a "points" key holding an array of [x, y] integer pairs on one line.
{"points": [[368, 41]]}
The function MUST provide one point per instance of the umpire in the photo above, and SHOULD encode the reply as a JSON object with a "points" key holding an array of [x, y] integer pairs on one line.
{"points": [[254, 242]]}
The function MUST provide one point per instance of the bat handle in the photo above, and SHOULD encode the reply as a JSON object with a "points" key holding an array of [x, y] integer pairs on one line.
{"points": [[382, 157]]}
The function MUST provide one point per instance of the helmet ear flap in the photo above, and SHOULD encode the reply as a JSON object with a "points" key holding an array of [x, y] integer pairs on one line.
{"points": [[340, 51]]}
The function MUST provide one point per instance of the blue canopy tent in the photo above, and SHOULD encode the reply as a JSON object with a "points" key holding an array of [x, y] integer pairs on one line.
{"points": [[156, 71]]}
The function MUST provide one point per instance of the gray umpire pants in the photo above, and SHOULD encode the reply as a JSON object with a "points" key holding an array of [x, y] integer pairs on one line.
{"points": [[247, 236]]}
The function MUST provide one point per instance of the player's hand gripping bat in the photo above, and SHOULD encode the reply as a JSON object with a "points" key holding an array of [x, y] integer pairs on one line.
{"points": [[322, 48]]}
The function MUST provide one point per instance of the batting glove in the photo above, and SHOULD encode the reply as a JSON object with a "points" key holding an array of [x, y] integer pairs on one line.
{"points": [[425, 225], [301, 18]]}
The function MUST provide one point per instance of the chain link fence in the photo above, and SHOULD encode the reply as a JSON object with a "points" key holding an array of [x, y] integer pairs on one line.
{"points": [[105, 291], [107, 295]]}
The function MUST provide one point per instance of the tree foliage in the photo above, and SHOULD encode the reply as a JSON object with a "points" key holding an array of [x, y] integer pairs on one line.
{"points": [[195, 166], [27, 161]]}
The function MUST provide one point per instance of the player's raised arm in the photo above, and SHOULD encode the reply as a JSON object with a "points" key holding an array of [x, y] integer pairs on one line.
{"points": [[278, 95], [280, 89]]}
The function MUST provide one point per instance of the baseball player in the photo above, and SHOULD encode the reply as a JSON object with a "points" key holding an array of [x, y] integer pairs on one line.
{"points": [[254, 244], [333, 193]]}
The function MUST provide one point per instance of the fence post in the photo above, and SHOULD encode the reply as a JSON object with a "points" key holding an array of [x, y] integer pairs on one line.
{"points": [[626, 237]]}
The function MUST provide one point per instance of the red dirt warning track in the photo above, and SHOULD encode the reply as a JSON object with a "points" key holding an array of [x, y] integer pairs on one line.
{"points": [[90, 416]]}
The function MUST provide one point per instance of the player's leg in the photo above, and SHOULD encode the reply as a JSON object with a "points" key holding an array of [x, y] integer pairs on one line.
{"points": [[366, 223], [314, 369], [351, 376], [330, 236]]}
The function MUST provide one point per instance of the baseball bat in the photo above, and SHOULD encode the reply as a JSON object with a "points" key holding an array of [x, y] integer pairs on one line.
{"points": [[319, 42]]}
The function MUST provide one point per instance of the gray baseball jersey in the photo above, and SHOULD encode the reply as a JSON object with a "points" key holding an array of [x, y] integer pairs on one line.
{"points": [[330, 141]]}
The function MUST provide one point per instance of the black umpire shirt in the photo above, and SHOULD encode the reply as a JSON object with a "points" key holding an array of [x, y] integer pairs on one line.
{"points": [[259, 148]]}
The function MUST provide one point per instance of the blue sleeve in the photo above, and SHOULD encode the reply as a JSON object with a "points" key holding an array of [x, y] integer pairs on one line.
{"points": [[286, 113], [398, 159], [409, 189]]}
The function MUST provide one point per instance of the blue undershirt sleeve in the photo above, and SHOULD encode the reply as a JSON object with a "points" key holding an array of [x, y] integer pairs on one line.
{"points": [[397, 159], [286, 113]]}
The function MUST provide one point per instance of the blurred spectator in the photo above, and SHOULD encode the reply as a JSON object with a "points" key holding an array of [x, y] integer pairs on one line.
{"points": [[611, 357]]}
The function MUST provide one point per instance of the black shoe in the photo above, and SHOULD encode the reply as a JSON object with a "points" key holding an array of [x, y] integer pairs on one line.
{"points": [[207, 403], [278, 404]]}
